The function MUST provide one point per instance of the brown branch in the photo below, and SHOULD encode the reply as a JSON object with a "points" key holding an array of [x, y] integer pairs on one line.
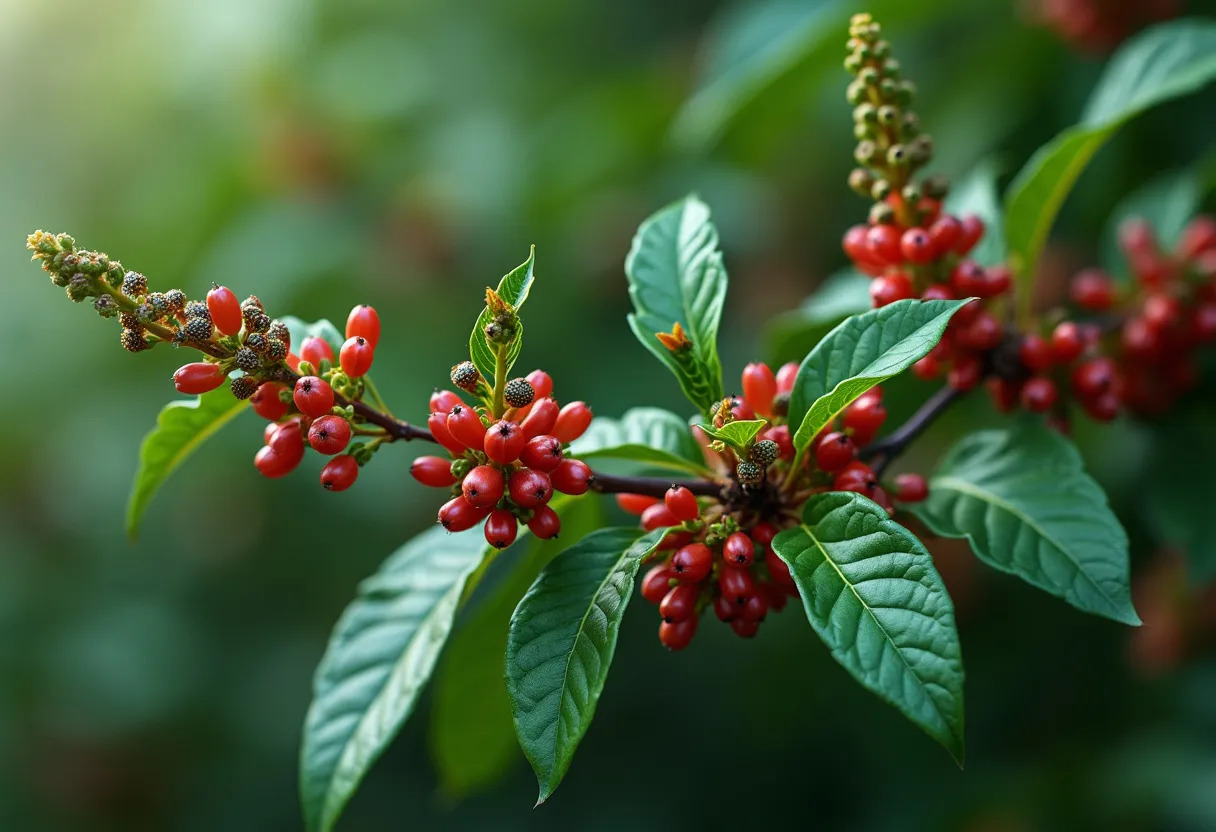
{"points": [[651, 486], [885, 450]]}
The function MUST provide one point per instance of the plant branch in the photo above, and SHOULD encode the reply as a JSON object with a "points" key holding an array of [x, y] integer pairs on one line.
{"points": [[885, 450], [651, 486]]}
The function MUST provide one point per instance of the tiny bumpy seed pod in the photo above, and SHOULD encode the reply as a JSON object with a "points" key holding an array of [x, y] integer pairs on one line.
{"points": [[133, 340], [134, 284], [764, 453], [199, 377], [465, 376], [257, 342], [225, 310], [198, 329], [339, 473], [518, 392], [248, 360], [243, 387], [197, 309], [749, 473], [175, 300]]}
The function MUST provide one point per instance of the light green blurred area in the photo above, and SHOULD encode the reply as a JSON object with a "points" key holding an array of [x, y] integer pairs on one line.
{"points": [[322, 153]]}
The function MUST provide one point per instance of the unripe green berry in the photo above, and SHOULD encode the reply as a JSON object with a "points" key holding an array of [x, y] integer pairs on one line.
{"points": [[882, 214], [78, 288], [856, 93], [881, 190], [887, 116], [460, 467], [749, 473], [852, 64], [518, 392], [861, 181], [243, 386], [764, 453], [465, 376], [897, 155], [890, 68], [868, 76], [911, 193], [865, 112], [936, 187], [865, 152], [248, 360]]}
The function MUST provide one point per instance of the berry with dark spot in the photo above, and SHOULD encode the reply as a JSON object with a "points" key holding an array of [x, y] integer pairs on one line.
{"points": [[457, 514], [571, 476], [692, 563], [339, 473], [356, 356], [267, 402], [545, 523], [465, 376], [518, 393], [738, 550], [680, 602], [313, 396], [504, 442], [529, 488], [329, 435], [501, 527], [483, 487], [243, 387], [682, 503], [544, 453], [364, 322]]}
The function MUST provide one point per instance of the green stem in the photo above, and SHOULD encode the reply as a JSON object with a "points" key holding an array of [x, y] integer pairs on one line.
{"points": [[500, 381], [375, 394]]}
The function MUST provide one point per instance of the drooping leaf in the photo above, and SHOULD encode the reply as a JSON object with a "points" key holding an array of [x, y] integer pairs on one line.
{"points": [[976, 193], [561, 641], [647, 435], [736, 434], [1023, 500], [180, 428], [676, 277], [1168, 202], [513, 288], [863, 351], [791, 335], [1161, 63], [472, 736], [871, 592], [380, 656], [320, 329]]}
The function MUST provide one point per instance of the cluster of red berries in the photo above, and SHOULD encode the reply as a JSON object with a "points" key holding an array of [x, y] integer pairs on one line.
{"points": [[712, 562], [1100, 25], [504, 471]]}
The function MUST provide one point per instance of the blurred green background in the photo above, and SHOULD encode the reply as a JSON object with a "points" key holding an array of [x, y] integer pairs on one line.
{"points": [[326, 152]]}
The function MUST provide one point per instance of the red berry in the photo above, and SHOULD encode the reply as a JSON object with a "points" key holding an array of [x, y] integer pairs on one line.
{"points": [[313, 396], [339, 473], [676, 635], [329, 435], [969, 279], [545, 523], [763, 533], [571, 476], [970, 231], [854, 243], [293, 362], [965, 373], [755, 608], [544, 453], [863, 418], [363, 322], [1103, 408], [1140, 340], [541, 383], [692, 563], [890, 288], [572, 421], [882, 244], [778, 569], [433, 471], [658, 516], [1035, 353], [835, 451], [1067, 342], [1005, 393], [225, 310], [997, 280], [1095, 377], [759, 387], [927, 368], [917, 246], [501, 528], [1038, 394], [198, 378], [774, 595], [944, 233], [356, 356], [1137, 238], [738, 550], [288, 441], [314, 350], [724, 609], [541, 418], [680, 602], [736, 584], [1092, 289], [981, 334], [273, 465], [504, 442], [682, 503], [444, 400], [458, 514], [786, 376], [438, 424], [938, 291], [744, 628], [529, 488], [1198, 237], [656, 583], [1161, 311], [911, 488], [466, 426], [483, 487], [266, 402], [781, 435], [632, 503], [1203, 323]]}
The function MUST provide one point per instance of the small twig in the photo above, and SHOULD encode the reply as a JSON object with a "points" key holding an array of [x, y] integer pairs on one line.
{"points": [[888, 448], [651, 486], [395, 428]]}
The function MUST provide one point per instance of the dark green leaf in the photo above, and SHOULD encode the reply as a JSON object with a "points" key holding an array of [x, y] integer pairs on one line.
{"points": [[738, 435], [1161, 63], [513, 288], [1023, 500], [976, 193], [380, 656], [872, 594], [472, 736], [561, 641], [792, 335], [320, 329], [675, 276], [863, 351], [646, 435], [180, 428]]}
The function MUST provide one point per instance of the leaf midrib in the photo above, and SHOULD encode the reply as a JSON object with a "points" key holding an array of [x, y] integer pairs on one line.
{"points": [[984, 494]]}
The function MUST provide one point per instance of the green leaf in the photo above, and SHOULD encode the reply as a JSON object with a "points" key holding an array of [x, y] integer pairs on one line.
{"points": [[180, 428], [871, 592], [738, 435], [976, 193], [380, 656], [320, 329], [675, 276], [1168, 202], [792, 335], [472, 737], [1161, 63], [1023, 500], [863, 351], [513, 288], [647, 435], [561, 641]]}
